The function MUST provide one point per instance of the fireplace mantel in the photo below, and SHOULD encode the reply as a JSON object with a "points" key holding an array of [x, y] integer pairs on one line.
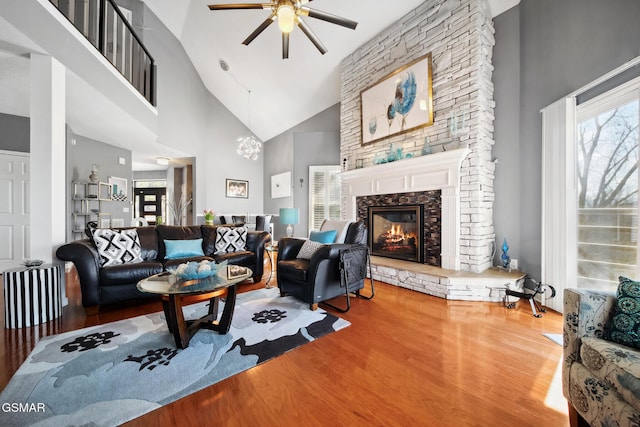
{"points": [[439, 171]]}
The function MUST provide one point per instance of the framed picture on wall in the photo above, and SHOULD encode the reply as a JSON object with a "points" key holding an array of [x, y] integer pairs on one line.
{"points": [[400, 102], [236, 188], [281, 185], [118, 188]]}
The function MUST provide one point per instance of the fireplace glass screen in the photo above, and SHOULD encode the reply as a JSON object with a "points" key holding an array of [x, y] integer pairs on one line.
{"points": [[396, 231]]}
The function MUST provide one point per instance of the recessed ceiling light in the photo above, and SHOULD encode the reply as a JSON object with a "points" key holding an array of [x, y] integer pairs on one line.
{"points": [[162, 161], [224, 65]]}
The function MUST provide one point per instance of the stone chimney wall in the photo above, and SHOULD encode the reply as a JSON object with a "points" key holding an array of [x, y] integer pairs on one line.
{"points": [[460, 36]]}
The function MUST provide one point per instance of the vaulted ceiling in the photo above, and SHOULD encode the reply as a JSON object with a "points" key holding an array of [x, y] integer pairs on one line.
{"points": [[286, 92]]}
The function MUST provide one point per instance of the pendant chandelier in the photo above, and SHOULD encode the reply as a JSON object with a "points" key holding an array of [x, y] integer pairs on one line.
{"points": [[249, 146]]}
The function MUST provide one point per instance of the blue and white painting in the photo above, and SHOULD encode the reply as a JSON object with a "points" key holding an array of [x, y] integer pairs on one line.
{"points": [[400, 102]]}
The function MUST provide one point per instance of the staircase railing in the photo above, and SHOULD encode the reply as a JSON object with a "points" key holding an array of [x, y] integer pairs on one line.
{"points": [[105, 26]]}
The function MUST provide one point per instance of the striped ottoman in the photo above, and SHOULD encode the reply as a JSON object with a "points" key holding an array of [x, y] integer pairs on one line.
{"points": [[32, 295]]}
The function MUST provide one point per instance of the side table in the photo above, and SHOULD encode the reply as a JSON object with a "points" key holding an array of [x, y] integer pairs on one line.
{"points": [[32, 295], [271, 250]]}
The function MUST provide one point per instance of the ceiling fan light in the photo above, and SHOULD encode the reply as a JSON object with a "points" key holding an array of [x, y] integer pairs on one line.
{"points": [[286, 17]]}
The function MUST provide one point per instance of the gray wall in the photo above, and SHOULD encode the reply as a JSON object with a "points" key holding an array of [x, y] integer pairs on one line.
{"points": [[281, 155], [563, 46], [14, 133], [193, 120], [310, 149], [506, 77], [149, 175], [82, 154]]}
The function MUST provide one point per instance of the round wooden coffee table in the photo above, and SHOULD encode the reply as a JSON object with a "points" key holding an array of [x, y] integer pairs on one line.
{"points": [[177, 292]]}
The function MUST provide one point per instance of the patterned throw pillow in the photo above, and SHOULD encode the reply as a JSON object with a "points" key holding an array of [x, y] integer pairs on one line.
{"points": [[309, 247], [117, 247], [625, 323], [230, 239]]}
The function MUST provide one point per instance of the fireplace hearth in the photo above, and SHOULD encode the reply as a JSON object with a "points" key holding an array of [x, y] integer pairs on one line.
{"points": [[396, 231]]}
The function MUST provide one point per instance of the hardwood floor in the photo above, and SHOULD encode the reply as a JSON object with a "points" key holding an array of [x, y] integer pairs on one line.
{"points": [[408, 359]]}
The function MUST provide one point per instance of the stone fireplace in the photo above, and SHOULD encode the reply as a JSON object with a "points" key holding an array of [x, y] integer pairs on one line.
{"points": [[396, 231], [437, 173], [439, 176], [459, 35], [430, 228]]}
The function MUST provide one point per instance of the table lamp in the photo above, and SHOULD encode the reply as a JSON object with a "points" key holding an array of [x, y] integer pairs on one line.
{"points": [[289, 216]]}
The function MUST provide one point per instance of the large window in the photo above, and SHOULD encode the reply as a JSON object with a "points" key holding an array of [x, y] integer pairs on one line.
{"points": [[607, 188], [324, 194]]}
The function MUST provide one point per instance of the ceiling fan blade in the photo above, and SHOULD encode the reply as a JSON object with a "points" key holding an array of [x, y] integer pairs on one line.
{"points": [[240, 6], [328, 17], [314, 39], [285, 45], [270, 20]]}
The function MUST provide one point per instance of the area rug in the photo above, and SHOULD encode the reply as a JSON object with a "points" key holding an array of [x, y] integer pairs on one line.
{"points": [[556, 338], [106, 375]]}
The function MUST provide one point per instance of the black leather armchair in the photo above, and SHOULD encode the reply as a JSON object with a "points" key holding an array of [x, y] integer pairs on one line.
{"points": [[318, 279]]}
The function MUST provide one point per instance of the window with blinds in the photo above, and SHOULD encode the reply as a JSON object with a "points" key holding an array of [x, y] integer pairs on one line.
{"points": [[608, 149], [324, 194]]}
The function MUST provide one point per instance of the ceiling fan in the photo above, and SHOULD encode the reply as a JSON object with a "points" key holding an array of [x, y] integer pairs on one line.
{"points": [[288, 13]]}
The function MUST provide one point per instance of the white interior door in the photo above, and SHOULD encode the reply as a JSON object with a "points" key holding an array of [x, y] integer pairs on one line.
{"points": [[14, 209]]}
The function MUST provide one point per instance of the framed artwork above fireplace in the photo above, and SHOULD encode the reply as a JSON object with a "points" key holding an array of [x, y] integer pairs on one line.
{"points": [[400, 102]]}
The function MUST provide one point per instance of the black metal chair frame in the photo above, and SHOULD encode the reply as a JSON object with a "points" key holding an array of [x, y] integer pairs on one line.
{"points": [[530, 289], [352, 271]]}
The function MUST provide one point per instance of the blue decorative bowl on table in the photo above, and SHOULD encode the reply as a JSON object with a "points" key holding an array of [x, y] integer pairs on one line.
{"points": [[197, 270]]}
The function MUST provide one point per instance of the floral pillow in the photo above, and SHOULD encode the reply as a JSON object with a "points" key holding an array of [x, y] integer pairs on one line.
{"points": [[624, 327]]}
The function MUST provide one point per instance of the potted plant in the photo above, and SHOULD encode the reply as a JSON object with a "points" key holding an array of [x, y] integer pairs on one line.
{"points": [[208, 216]]}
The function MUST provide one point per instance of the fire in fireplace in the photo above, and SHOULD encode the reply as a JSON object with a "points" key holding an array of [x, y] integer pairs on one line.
{"points": [[396, 231]]}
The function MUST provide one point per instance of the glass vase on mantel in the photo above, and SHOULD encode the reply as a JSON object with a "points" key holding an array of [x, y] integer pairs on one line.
{"points": [[426, 148]]}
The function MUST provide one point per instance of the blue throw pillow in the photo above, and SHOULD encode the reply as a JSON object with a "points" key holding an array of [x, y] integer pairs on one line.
{"points": [[325, 237], [625, 323], [182, 248]]}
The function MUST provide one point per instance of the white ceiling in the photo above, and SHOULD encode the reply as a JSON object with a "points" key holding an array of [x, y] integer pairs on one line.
{"points": [[283, 92]]}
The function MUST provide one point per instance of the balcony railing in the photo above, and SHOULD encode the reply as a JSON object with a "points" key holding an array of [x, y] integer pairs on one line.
{"points": [[105, 26]]}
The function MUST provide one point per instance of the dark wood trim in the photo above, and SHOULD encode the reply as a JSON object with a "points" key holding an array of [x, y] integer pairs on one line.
{"points": [[575, 419]]}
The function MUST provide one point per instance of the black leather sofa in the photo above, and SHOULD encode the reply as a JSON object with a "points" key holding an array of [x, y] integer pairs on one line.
{"points": [[117, 283], [318, 279]]}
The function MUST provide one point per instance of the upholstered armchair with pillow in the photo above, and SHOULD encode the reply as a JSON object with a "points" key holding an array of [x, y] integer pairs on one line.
{"points": [[309, 269], [601, 369]]}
